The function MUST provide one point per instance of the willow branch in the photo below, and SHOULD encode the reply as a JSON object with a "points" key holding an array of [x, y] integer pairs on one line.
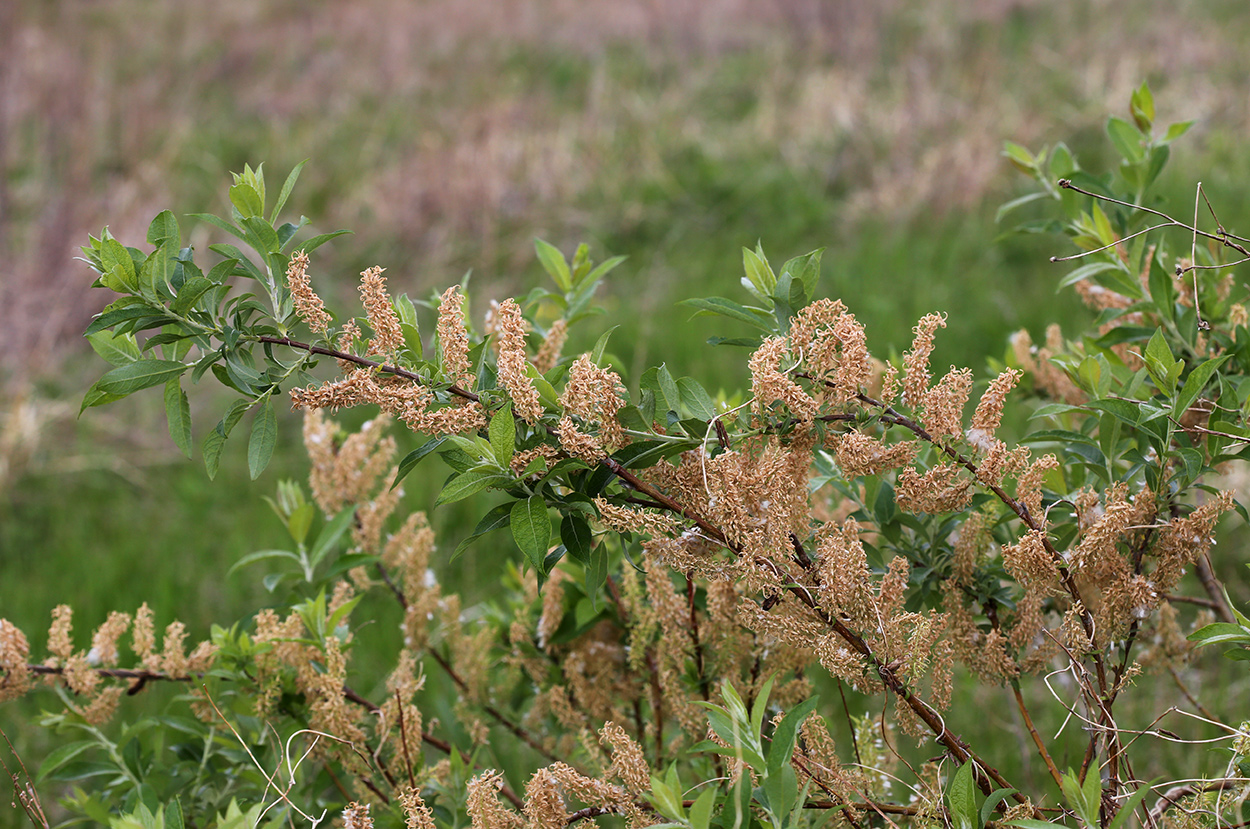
{"points": [[364, 362], [1037, 738]]}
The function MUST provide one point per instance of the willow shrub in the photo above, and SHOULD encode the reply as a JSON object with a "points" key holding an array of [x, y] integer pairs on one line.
{"points": [[687, 570]]}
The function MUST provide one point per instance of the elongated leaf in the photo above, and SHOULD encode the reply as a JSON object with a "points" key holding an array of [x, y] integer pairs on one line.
{"points": [[141, 374], [759, 273], [215, 440], [1130, 806], [728, 308], [470, 483], [1086, 271], [317, 241], [178, 414], [330, 534], [1219, 632], [602, 269], [496, 519], [991, 803], [117, 349], [553, 263], [190, 293], [125, 314], [576, 537], [287, 186], [164, 227], [95, 397], [1126, 138], [503, 435], [60, 756], [246, 200], [1194, 384], [531, 529], [596, 354], [264, 435], [961, 798], [695, 399], [261, 555], [1123, 410], [668, 387], [414, 457], [784, 737]]}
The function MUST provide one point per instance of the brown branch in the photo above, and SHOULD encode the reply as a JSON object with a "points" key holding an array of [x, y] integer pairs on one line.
{"points": [[1202, 567], [366, 363], [1037, 738], [1223, 237], [403, 739], [1207, 603]]}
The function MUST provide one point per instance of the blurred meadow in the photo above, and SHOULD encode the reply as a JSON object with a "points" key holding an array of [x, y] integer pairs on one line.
{"points": [[449, 133]]}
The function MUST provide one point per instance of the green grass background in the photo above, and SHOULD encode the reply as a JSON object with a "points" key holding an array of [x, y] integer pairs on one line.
{"points": [[448, 136]]}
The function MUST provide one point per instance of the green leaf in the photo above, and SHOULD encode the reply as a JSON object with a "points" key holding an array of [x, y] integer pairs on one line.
{"points": [[261, 555], [991, 803], [601, 270], [264, 435], [1160, 362], [728, 308], [317, 241], [190, 293], [806, 269], [668, 387], [554, 264], [1194, 384], [497, 518], [215, 440], [178, 414], [164, 228], [1123, 410], [576, 536], [140, 374], [115, 261], [246, 200], [1142, 105], [1006, 208], [414, 457], [60, 756], [1130, 806], [1030, 823], [287, 186], [1126, 138], [786, 733], [596, 570], [470, 483], [596, 354], [173, 815], [330, 534], [1175, 131], [531, 529], [261, 234], [961, 798], [117, 349], [759, 272], [701, 809], [1219, 633], [220, 224], [1086, 271], [503, 435], [695, 399], [1020, 157]]}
